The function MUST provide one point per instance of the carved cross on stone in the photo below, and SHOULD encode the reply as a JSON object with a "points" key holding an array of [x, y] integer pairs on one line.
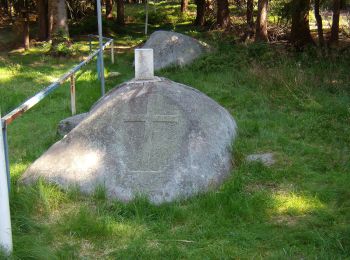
{"points": [[146, 133]]}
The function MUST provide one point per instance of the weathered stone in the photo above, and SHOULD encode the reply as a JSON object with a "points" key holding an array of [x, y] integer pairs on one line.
{"points": [[144, 68], [158, 138], [66, 125], [113, 74], [174, 49], [150, 137], [264, 158]]}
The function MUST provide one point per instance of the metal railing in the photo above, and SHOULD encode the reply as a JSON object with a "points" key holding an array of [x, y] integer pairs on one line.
{"points": [[7, 119], [21, 109]]}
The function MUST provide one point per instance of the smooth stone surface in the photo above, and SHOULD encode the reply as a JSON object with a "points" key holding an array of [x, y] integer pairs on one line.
{"points": [[174, 49], [144, 68], [66, 125], [265, 158], [158, 138]]}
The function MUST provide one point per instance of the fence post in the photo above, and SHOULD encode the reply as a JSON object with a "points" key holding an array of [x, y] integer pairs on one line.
{"points": [[112, 51], [7, 161], [99, 22], [146, 19], [5, 219], [72, 94], [90, 44]]}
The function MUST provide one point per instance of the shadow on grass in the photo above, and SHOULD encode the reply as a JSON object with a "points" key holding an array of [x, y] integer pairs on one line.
{"points": [[246, 216]]}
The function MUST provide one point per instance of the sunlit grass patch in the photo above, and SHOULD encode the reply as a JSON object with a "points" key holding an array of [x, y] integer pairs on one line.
{"points": [[291, 203], [18, 168]]}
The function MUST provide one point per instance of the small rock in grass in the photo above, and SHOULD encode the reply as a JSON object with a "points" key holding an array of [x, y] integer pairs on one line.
{"points": [[113, 74], [265, 158], [66, 125]]}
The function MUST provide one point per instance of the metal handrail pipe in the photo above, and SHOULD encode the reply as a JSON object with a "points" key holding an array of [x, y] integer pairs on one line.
{"points": [[25, 106]]}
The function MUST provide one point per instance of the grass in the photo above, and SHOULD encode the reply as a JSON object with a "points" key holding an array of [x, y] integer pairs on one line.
{"points": [[295, 105]]}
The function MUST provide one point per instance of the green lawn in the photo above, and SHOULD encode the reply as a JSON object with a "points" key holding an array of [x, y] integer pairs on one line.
{"points": [[296, 105]]}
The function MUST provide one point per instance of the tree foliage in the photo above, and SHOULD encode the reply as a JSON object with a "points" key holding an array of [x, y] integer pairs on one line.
{"points": [[291, 14]]}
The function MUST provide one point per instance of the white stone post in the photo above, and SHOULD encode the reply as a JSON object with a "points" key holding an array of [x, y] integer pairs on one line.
{"points": [[144, 68], [5, 219]]}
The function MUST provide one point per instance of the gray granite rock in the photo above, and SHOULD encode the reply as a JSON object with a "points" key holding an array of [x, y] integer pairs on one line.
{"points": [[265, 158], [156, 138], [66, 125], [174, 49]]}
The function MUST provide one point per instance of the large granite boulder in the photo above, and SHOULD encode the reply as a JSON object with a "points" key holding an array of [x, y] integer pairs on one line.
{"points": [[158, 138], [149, 136], [174, 49]]}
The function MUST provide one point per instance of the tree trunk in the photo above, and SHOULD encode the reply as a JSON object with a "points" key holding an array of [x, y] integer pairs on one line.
{"points": [[59, 13], [300, 32], [261, 22], [5, 6], [120, 12], [319, 23], [184, 6], [250, 13], [109, 9], [95, 6], [17, 7], [10, 11], [200, 16], [42, 9], [25, 17], [58, 21], [335, 22], [223, 14]]}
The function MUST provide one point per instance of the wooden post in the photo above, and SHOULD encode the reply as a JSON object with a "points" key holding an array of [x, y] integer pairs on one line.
{"points": [[72, 94], [112, 52]]}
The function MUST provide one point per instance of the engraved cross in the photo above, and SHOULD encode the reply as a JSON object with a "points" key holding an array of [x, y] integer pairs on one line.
{"points": [[149, 119]]}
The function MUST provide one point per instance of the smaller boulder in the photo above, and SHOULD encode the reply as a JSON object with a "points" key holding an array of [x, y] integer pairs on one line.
{"points": [[266, 159], [174, 49], [66, 125], [114, 74]]}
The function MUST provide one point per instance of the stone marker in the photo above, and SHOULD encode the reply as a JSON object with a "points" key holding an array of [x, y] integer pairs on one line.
{"points": [[174, 49], [144, 68], [154, 137]]}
